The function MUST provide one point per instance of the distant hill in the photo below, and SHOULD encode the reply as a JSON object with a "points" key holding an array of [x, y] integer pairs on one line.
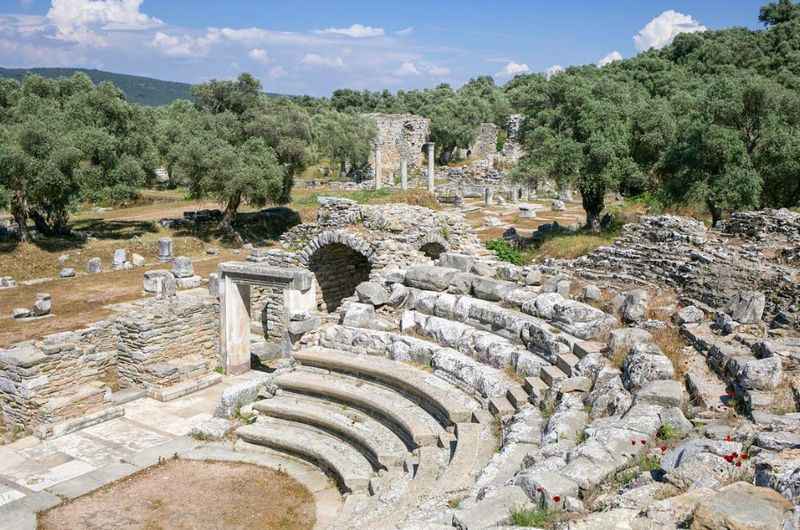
{"points": [[142, 90]]}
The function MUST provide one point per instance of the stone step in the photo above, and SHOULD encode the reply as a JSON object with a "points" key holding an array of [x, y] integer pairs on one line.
{"points": [[406, 419], [582, 348], [465, 462], [566, 362], [536, 388], [500, 407], [493, 511], [344, 463], [551, 374], [373, 439], [407, 379], [518, 397]]}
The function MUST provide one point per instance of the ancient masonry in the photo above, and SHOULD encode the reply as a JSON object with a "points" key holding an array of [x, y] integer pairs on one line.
{"points": [[400, 137], [440, 388]]}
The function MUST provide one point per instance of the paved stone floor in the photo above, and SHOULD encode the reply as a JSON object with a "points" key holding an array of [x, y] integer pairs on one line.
{"points": [[29, 466]]}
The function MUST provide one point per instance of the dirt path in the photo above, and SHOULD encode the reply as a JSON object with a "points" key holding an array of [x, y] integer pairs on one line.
{"points": [[184, 495]]}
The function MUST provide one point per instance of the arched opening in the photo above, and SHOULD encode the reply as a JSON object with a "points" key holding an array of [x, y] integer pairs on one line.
{"points": [[338, 270], [433, 249]]}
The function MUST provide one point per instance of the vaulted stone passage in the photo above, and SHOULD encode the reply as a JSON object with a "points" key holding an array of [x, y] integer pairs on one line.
{"points": [[338, 270], [433, 249]]}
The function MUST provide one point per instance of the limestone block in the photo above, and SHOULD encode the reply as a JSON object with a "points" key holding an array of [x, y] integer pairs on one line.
{"points": [[747, 307], [191, 282], [94, 265], [182, 267], [165, 249], [137, 260], [120, 257], [67, 272], [154, 278], [42, 305], [372, 293]]}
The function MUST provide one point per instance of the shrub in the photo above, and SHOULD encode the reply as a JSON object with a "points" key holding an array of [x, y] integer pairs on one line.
{"points": [[504, 251], [535, 518]]}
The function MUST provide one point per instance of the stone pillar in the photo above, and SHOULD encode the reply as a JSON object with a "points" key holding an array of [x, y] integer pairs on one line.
{"points": [[235, 325], [164, 249], [404, 174], [431, 182], [378, 170], [488, 195]]}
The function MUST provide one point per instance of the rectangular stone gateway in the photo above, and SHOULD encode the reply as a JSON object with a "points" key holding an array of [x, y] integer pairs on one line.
{"points": [[286, 292]]}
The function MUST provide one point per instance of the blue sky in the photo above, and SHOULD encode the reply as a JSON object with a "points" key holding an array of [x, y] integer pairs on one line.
{"points": [[313, 47]]}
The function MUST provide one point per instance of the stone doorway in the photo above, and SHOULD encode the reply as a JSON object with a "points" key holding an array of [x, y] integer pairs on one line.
{"points": [[288, 292]]}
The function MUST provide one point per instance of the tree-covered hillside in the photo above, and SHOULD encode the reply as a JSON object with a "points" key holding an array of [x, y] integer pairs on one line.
{"points": [[141, 90]]}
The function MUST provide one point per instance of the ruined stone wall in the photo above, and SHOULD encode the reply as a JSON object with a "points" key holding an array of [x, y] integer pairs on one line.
{"points": [[164, 342], [155, 343], [400, 136], [485, 144], [62, 376], [267, 307]]}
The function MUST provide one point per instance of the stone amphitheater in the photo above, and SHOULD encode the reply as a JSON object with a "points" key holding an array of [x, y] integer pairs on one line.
{"points": [[437, 387]]}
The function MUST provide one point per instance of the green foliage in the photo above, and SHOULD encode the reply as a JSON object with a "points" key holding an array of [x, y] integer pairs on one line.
{"points": [[346, 140], [667, 432], [504, 251], [531, 518]]}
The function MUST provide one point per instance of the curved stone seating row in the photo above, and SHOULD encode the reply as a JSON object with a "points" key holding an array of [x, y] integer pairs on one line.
{"points": [[374, 440], [347, 465], [411, 423], [398, 376]]}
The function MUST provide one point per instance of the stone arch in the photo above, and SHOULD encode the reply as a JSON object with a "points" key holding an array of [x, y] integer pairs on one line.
{"points": [[433, 245], [339, 261]]}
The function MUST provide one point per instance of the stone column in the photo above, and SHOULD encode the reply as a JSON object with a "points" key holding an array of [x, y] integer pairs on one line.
{"points": [[431, 182], [235, 325], [164, 249], [404, 174], [488, 195], [378, 170]]}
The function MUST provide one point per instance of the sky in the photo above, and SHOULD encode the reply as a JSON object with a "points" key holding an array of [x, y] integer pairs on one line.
{"points": [[316, 46]]}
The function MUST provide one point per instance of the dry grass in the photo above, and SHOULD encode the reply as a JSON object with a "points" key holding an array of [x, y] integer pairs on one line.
{"points": [[571, 246], [784, 399], [673, 345], [513, 375]]}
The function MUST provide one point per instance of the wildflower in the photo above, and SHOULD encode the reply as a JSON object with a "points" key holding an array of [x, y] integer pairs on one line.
{"points": [[744, 456], [728, 438], [663, 448], [556, 499], [738, 464], [644, 442]]}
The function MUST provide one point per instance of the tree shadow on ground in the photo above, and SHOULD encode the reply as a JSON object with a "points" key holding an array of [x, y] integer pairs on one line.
{"points": [[254, 227], [96, 228]]}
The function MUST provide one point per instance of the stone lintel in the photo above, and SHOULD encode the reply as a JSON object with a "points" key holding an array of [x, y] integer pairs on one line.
{"points": [[258, 273]]}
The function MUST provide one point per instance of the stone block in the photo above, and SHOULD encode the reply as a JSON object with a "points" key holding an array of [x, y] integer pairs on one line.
{"points": [[182, 267], [94, 265]]}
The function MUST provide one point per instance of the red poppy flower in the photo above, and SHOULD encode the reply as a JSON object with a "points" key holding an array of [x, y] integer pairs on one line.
{"points": [[643, 442], [738, 464], [734, 454], [663, 448], [744, 456], [556, 499], [729, 458], [633, 442], [539, 489], [728, 438]]}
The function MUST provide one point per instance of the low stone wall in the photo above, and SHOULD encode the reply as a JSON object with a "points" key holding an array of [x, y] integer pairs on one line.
{"points": [[62, 376], [165, 342], [155, 343]]}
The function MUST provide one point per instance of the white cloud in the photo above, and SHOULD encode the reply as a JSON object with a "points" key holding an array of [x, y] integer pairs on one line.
{"points": [[184, 45], [438, 71], [610, 58], [406, 69], [78, 20], [553, 71], [313, 59], [663, 29], [277, 72], [511, 69], [356, 31], [259, 55], [404, 32]]}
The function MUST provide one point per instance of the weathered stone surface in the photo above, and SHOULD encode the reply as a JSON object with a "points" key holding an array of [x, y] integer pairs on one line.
{"points": [[42, 305], [591, 293], [626, 338], [212, 429], [94, 265], [779, 471], [182, 267], [137, 260], [21, 312], [453, 260], [429, 277], [689, 315], [703, 463], [644, 364], [359, 315], [165, 249], [67, 272], [372, 293], [634, 308], [120, 257], [747, 307], [665, 392], [153, 280], [534, 277], [742, 506]]}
